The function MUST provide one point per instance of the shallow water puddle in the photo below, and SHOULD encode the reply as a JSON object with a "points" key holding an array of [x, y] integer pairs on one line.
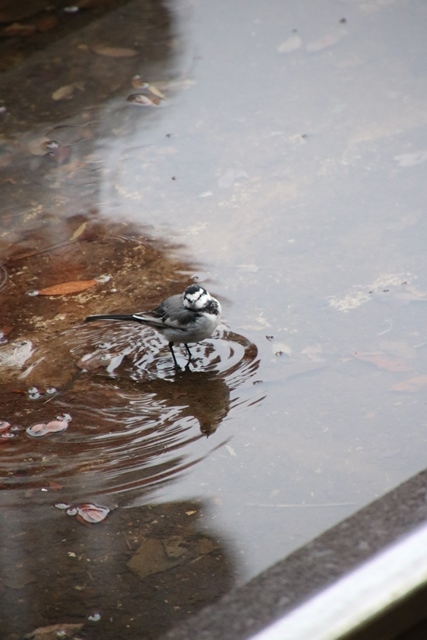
{"points": [[273, 152]]}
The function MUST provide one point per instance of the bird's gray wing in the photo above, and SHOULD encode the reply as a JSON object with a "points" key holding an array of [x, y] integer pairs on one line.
{"points": [[180, 319], [170, 314]]}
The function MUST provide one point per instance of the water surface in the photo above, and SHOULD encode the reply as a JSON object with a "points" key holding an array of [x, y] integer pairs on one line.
{"points": [[278, 158]]}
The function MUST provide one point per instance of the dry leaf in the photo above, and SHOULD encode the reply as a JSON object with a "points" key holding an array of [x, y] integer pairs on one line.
{"points": [[18, 29], [65, 288], [382, 361], [412, 385], [115, 52], [63, 93], [78, 232], [66, 92], [156, 92], [55, 631], [54, 486], [231, 450], [37, 146]]}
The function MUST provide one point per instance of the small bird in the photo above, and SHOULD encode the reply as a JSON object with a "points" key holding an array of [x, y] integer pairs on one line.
{"points": [[188, 317]]}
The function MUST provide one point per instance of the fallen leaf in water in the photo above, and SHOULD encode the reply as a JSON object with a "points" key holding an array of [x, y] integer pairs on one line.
{"points": [[38, 147], [92, 513], [78, 232], [412, 385], [37, 430], [114, 52], [383, 361], [175, 546], [5, 436], [61, 505], [156, 92], [54, 631], [144, 101], [54, 426], [82, 520], [85, 513], [64, 93], [230, 450], [18, 29], [326, 42], [54, 486], [42, 428], [65, 288], [398, 349], [138, 83], [155, 556], [290, 44], [150, 558]]}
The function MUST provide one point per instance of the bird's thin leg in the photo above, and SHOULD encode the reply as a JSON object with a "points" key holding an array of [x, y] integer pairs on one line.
{"points": [[187, 366], [173, 355]]}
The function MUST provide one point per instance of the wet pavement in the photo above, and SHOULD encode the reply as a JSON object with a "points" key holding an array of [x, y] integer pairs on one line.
{"points": [[274, 154]]}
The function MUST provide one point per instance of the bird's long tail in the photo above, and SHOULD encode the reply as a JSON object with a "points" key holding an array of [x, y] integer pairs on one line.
{"points": [[112, 316]]}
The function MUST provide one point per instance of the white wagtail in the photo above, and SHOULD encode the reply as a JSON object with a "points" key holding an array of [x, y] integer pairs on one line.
{"points": [[188, 317]]}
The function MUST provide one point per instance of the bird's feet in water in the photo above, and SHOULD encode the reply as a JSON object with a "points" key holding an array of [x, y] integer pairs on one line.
{"points": [[189, 361]]}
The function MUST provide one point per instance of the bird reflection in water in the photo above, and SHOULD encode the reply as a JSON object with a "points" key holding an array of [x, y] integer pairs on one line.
{"points": [[202, 395]]}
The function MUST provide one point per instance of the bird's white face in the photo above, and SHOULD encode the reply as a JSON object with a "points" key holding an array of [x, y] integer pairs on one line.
{"points": [[195, 297]]}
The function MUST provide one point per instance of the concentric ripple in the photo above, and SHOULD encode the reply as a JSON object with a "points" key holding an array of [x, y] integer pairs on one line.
{"points": [[137, 423]]}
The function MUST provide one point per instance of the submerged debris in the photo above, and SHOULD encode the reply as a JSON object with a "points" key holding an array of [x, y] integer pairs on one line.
{"points": [[94, 617], [54, 426], [54, 631], [33, 393], [7, 431], [142, 100], [292, 43], [114, 52], [86, 512]]}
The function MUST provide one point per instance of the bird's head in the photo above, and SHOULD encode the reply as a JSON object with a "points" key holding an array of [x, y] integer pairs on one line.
{"points": [[196, 297]]}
